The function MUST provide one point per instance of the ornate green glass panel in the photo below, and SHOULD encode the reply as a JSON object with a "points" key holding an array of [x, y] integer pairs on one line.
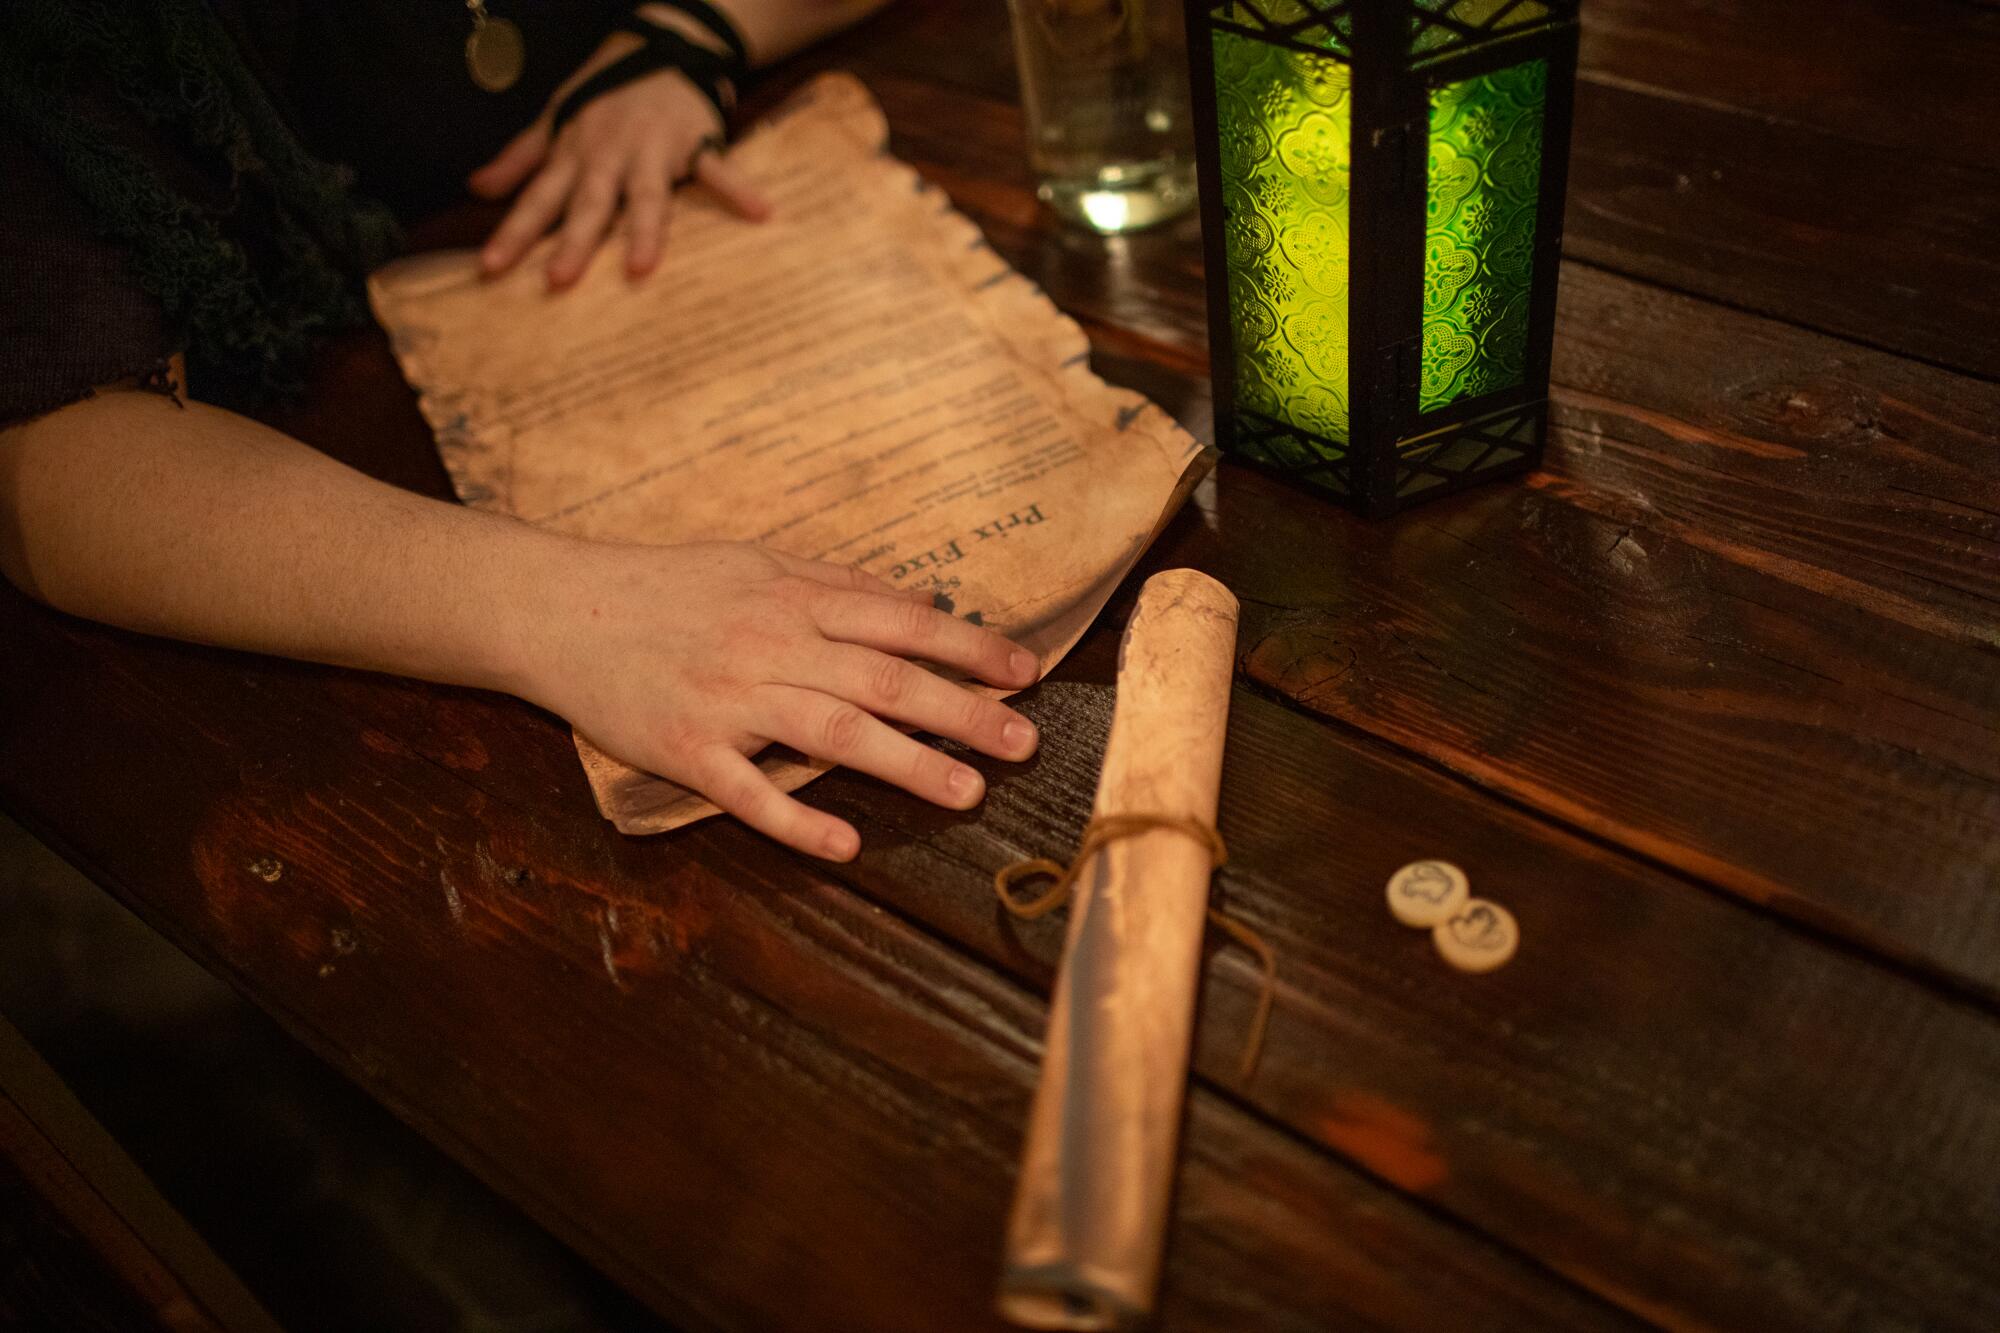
{"points": [[1485, 176], [1285, 157]]}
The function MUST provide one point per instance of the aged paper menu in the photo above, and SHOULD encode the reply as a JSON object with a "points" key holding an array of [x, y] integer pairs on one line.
{"points": [[859, 379]]}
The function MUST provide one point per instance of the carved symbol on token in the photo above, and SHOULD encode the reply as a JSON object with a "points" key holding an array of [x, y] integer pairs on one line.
{"points": [[1429, 882], [1479, 937], [1424, 893], [1479, 928]]}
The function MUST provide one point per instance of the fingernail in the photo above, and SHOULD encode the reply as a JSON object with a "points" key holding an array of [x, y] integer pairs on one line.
{"points": [[1024, 664], [965, 784], [1020, 736], [842, 844]]}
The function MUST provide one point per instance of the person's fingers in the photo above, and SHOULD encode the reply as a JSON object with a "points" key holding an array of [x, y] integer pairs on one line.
{"points": [[590, 210], [531, 215], [845, 577], [738, 787], [511, 165], [895, 688], [646, 188], [909, 628], [837, 731], [731, 185]]}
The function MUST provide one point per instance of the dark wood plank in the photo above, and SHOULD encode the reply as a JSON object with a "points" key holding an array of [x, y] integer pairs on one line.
{"points": [[1910, 75], [1882, 245], [1836, 167], [753, 1098]]}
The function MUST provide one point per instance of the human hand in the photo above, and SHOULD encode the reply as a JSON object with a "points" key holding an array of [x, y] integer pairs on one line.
{"points": [[683, 660], [629, 144]]}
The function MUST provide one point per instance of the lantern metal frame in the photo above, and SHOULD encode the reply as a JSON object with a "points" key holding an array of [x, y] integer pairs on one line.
{"points": [[1396, 453]]}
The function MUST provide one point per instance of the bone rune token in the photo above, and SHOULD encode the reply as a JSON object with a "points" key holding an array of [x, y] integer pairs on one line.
{"points": [[1479, 937], [1424, 893]]}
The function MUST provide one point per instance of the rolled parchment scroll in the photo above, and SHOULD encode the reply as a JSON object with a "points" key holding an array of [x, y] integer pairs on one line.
{"points": [[1083, 1243]]}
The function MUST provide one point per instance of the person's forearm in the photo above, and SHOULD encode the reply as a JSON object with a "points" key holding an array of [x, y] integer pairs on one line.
{"points": [[199, 524], [681, 659]]}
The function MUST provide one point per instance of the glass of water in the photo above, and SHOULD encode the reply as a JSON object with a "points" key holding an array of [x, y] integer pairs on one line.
{"points": [[1105, 87]]}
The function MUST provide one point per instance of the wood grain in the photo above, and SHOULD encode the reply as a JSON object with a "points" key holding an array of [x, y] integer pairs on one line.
{"points": [[1899, 74], [1886, 246]]}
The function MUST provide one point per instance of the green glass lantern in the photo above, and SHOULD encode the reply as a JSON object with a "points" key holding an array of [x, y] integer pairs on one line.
{"points": [[1382, 189]]}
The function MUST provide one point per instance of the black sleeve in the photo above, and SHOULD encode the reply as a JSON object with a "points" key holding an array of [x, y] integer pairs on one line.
{"points": [[72, 313]]}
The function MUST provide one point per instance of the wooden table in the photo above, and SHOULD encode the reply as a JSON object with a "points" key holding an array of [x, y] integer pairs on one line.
{"points": [[1713, 702]]}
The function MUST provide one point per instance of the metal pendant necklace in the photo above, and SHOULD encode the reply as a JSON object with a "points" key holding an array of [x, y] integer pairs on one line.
{"points": [[494, 51]]}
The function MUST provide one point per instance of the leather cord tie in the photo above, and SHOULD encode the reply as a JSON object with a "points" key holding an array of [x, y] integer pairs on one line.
{"points": [[1107, 829]]}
